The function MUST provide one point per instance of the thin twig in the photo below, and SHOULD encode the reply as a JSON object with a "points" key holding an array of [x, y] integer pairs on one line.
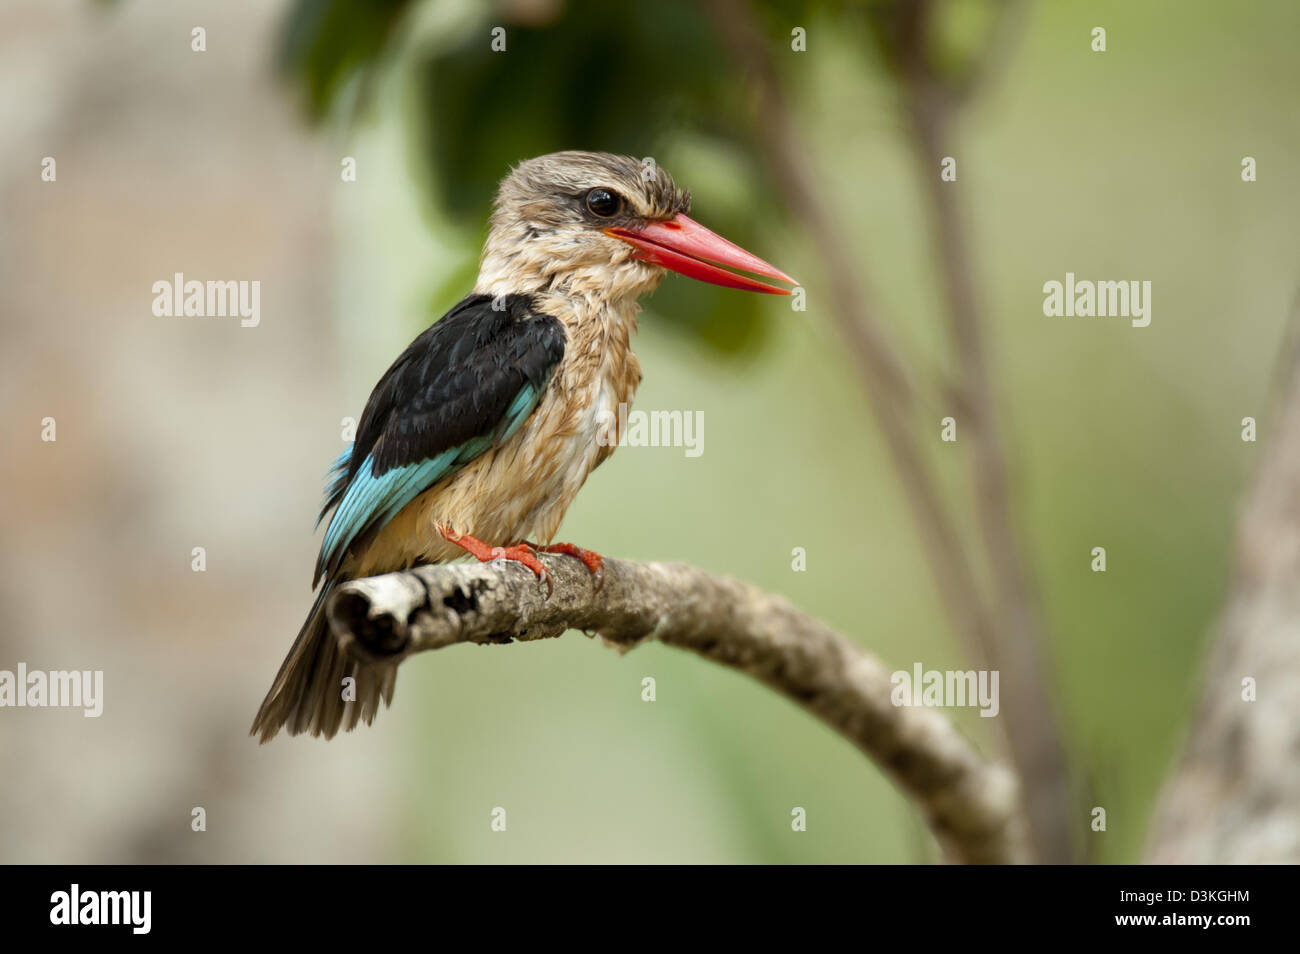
{"points": [[888, 386], [1010, 645], [1032, 726], [972, 806]]}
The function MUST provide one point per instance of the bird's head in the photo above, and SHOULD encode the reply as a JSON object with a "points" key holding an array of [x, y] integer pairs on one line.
{"points": [[602, 226]]}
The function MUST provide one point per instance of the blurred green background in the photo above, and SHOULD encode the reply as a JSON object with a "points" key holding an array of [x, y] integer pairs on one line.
{"points": [[1115, 165]]}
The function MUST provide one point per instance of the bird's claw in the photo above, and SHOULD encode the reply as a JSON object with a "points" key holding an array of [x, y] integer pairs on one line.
{"points": [[592, 560], [524, 553], [527, 555]]}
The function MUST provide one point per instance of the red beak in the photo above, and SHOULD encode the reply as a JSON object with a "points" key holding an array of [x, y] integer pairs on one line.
{"points": [[690, 249]]}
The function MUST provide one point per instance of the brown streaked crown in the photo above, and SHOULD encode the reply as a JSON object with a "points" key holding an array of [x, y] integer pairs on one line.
{"points": [[550, 191]]}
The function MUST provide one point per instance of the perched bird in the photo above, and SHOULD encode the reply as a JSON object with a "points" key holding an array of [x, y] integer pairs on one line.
{"points": [[479, 436]]}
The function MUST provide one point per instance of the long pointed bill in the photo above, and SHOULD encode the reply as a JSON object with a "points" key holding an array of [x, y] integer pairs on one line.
{"points": [[690, 249]]}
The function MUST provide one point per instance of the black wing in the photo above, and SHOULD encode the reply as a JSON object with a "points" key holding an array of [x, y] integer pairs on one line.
{"points": [[462, 386]]}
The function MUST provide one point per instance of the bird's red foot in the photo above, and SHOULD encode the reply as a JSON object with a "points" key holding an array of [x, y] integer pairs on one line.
{"points": [[594, 562], [523, 553]]}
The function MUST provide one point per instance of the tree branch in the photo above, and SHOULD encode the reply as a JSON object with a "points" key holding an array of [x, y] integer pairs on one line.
{"points": [[971, 805], [1234, 797]]}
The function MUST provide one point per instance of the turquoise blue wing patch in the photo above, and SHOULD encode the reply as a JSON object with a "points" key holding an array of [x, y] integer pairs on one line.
{"points": [[369, 502]]}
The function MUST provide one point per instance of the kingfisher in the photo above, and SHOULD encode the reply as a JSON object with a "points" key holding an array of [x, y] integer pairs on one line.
{"points": [[478, 437]]}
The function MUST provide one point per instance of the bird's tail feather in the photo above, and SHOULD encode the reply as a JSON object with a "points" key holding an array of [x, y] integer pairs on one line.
{"points": [[308, 694]]}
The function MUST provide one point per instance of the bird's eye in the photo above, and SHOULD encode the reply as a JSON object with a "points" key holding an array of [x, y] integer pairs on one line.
{"points": [[604, 204]]}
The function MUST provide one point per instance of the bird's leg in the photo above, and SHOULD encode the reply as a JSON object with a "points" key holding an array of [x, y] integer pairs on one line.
{"points": [[523, 553], [594, 562]]}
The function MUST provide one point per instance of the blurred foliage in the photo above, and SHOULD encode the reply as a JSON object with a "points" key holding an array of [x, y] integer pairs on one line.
{"points": [[634, 78], [327, 42], [638, 79], [957, 37]]}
